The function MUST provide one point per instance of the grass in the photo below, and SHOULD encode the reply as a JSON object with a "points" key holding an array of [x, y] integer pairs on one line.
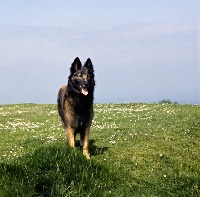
{"points": [[136, 149]]}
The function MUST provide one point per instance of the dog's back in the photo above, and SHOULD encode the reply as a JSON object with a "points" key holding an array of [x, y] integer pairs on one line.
{"points": [[61, 103]]}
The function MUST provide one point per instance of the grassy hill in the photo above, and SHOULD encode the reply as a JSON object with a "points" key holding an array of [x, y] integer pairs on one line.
{"points": [[136, 150]]}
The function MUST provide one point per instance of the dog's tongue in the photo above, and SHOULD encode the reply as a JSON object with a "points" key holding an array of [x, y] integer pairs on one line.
{"points": [[84, 91]]}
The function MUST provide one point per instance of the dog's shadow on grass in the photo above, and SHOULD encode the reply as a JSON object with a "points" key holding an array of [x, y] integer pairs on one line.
{"points": [[94, 150]]}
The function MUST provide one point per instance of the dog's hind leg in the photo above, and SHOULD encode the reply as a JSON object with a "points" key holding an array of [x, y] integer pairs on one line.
{"points": [[70, 136]]}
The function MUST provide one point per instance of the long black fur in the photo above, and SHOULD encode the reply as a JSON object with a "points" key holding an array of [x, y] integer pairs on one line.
{"points": [[75, 101]]}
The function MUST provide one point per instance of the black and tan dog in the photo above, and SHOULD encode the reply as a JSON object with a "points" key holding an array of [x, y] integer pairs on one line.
{"points": [[75, 103]]}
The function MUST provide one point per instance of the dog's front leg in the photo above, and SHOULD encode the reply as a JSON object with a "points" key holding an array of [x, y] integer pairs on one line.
{"points": [[85, 142], [70, 136]]}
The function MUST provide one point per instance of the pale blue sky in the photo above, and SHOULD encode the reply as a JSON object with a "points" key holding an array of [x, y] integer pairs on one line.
{"points": [[142, 51], [97, 13]]}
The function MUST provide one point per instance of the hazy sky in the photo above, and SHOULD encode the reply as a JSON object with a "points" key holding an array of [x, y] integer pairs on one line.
{"points": [[142, 51]]}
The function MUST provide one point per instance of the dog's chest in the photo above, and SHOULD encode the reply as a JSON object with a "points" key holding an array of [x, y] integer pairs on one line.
{"points": [[81, 121]]}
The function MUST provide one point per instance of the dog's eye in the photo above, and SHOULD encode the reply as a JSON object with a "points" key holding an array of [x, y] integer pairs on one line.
{"points": [[88, 76], [79, 75]]}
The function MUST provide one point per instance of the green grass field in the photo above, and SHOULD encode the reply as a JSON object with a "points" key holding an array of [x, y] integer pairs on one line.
{"points": [[136, 150]]}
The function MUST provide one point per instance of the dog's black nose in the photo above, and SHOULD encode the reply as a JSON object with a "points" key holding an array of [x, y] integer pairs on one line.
{"points": [[86, 84]]}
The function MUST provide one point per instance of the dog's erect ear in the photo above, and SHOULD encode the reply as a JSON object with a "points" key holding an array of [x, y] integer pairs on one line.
{"points": [[88, 64], [76, 65]]}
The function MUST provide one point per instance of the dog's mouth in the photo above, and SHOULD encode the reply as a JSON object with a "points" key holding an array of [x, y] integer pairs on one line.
{"points": [[84, 90]]}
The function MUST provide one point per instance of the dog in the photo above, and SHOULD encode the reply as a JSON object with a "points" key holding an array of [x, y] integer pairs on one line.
{"points": [[75, 103]]}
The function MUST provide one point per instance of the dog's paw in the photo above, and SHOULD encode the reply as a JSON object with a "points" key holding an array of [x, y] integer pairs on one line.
{"points": [[87, 155]]}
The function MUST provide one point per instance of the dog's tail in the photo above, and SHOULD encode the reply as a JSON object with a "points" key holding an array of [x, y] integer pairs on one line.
{"points": [[61, 102]]}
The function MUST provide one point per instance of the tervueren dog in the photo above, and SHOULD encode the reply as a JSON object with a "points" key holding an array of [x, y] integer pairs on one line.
{"points": [[75, 103]]}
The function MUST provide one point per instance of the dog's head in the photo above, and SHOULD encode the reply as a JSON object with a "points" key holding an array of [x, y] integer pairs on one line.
{"points": [[82, 77]]}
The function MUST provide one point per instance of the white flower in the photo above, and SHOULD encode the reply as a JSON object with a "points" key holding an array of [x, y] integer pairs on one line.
{"points": [[112, 142]]}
